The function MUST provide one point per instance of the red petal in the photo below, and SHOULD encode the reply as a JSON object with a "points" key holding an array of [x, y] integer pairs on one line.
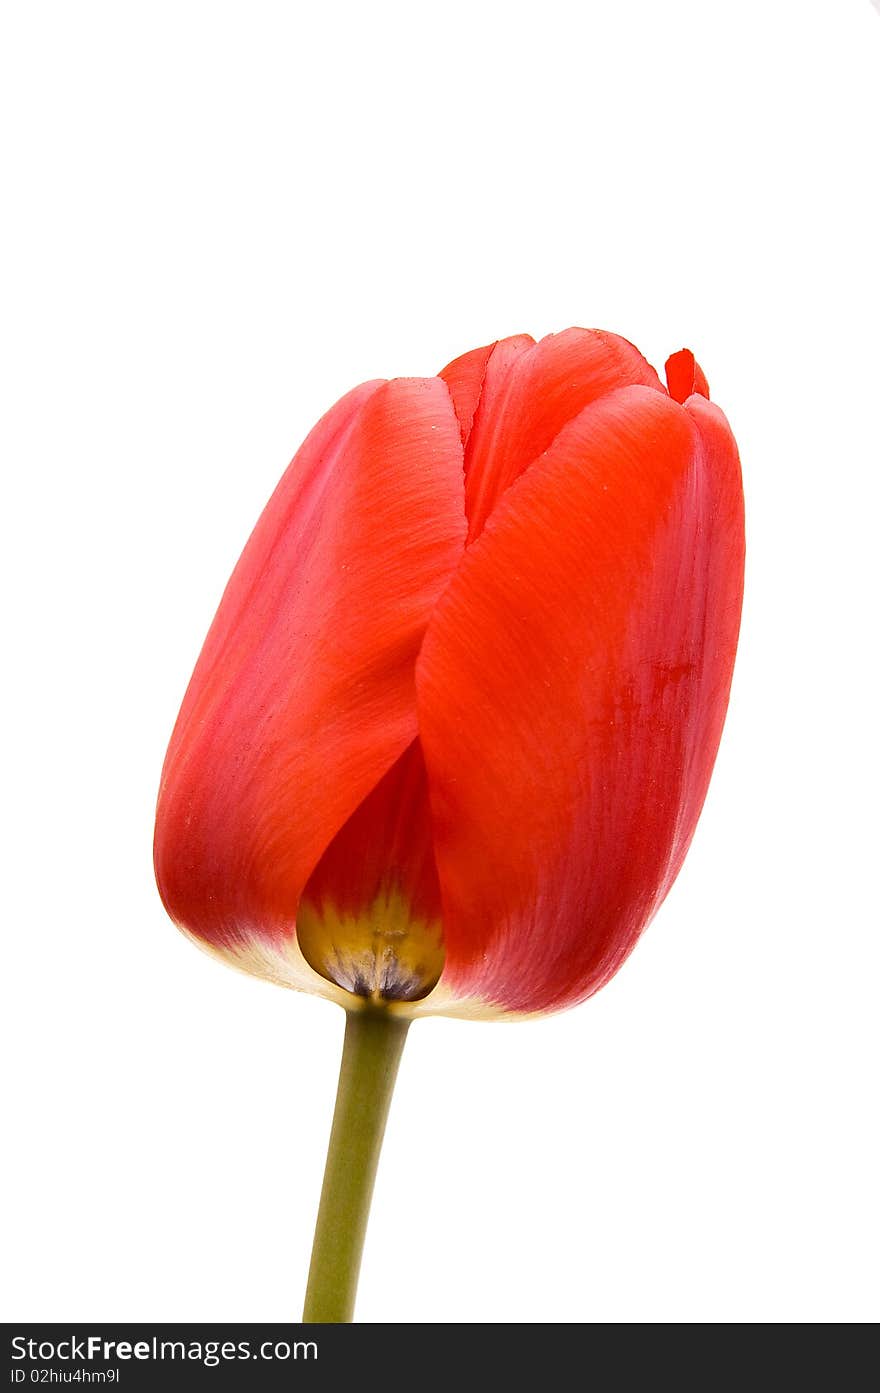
{"points": [[685, 377], [464, 378], [720, 551], [572, 687], [529, 397], [304, 694]]}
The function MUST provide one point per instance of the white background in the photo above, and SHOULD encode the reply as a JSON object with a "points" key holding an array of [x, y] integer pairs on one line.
{"points": [[217, 219]]}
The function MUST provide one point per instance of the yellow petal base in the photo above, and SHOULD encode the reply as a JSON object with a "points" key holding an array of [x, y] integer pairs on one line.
{"points": [[382, 953]]}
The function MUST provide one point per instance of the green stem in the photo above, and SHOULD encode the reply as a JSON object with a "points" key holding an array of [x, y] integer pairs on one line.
{"points": [[371, 1053]]}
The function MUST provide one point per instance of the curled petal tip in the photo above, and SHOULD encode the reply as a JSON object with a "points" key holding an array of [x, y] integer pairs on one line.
{"points": [[684, 376]]}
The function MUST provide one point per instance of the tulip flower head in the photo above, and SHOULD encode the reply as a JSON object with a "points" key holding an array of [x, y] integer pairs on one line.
{"points": [[451, 730]]}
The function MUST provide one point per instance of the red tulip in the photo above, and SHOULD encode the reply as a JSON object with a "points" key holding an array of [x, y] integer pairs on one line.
{"points": [[452, 727]]}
